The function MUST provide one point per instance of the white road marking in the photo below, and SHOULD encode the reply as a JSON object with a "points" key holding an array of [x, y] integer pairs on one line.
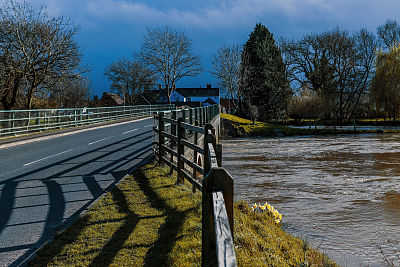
{"points": [[27, 164], [130, 131], [148, 125], [99, 140]]}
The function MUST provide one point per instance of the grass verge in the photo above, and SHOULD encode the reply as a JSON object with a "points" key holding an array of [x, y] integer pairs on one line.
{"points": [[147, 220], [239, 127]]}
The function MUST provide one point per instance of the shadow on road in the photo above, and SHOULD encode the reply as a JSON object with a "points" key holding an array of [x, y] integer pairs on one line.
{"points": [[99, 170]]}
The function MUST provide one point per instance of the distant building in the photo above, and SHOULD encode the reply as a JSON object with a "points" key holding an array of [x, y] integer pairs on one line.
{"points": [[111, 100], [192, 96]]}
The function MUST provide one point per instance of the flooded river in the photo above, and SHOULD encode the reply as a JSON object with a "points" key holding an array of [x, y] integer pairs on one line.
{"points": [[341, 193]]}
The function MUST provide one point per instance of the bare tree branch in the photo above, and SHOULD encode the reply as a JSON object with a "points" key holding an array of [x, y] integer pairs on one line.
{"points": [[168, 53]]}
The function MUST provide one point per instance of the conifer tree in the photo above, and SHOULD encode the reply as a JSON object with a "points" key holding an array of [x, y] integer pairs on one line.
{"points": [[263, 80]]}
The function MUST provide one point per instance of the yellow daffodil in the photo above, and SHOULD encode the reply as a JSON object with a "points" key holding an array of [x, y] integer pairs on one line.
{"points": [[255, 205], [277, 221], [280, 216]]}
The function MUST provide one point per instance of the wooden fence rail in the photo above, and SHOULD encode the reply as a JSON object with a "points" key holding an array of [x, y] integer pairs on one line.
{"points": [[179, 131]]}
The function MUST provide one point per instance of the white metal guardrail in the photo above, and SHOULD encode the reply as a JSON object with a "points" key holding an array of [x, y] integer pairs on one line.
{"points": [[14, 122]]}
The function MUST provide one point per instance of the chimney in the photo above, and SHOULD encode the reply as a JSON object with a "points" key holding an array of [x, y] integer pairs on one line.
{"points": [[208, 85]]}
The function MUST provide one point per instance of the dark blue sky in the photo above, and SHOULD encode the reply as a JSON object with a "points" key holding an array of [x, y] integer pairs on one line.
{"points": [[110, 29]]}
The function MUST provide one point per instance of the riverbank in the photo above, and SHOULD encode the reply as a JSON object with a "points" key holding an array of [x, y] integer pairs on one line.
{"points": [[233, 126], [148, 220]]}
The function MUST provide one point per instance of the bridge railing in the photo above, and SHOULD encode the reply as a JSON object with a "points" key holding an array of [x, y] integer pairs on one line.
{"points": [[178, 136], [14, 122]]}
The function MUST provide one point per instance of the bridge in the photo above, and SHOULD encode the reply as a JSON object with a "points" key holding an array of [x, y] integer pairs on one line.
{"points": [[47, 180]]}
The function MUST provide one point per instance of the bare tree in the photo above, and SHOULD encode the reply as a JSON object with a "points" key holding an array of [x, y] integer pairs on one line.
{"points": [[226, 68], [169, 55], [336, 65], [41, 48], [129, 79], [71, 93], [389, 34]]}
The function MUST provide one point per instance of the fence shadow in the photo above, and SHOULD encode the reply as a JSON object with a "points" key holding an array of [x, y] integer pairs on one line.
{"points": [[114, 170], [157, 255]]}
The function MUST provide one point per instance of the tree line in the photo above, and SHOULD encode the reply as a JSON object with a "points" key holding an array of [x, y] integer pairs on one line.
{"points": [[335, 76], [40, 62]]}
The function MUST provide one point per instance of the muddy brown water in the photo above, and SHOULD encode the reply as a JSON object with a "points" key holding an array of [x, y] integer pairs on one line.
{"points": [[341, 193]]}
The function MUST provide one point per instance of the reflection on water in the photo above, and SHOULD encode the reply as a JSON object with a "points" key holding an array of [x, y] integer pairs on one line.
{"points": [[341, 193]]}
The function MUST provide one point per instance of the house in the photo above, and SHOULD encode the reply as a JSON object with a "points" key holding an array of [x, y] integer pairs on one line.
{"points": [[193, 96], [111, 100]]}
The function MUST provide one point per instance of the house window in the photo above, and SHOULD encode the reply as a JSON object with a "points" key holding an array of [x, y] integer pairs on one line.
{"points": [[188, 99]]}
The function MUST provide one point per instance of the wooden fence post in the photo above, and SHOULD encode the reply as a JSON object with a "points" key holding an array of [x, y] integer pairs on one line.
{"points": [[207, 139], [195, 141], [217, 179], [172, 142], [180, 150], [218, 152], [201, 117], [160, 137], [191, 116], [173, 126]]}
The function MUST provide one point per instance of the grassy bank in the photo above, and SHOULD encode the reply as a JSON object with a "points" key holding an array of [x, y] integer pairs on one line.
{"points": [[148, 220], [238, 127]]}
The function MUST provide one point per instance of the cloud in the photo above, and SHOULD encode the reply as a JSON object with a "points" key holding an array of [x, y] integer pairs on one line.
{"points": [[289, 16]]}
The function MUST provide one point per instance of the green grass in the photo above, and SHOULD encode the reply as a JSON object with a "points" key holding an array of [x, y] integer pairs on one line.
{"points": [[261, 242], [246, 128], [148, 220]]}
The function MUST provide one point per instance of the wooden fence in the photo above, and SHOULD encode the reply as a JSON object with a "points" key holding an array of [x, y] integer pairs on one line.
{"points": [[182, 137]]}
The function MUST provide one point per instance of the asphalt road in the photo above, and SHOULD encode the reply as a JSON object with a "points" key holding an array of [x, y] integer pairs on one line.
{"points": [[45, 184]]}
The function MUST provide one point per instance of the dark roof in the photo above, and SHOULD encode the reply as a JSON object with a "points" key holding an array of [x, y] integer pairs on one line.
{"points": [[198, 92], [116, 98], [209, 101]]}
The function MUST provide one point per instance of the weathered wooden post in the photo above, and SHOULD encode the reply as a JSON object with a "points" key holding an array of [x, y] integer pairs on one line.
{"points": [[160, 137], [218, 152], [217, 180], [195, 141], [207, 139], [196, 114], [180, 150], [184, 115], [173, 127], [191, 116], [201, 117], [172, 142]]}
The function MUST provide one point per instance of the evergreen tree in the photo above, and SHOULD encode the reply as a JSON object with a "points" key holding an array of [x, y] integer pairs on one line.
{"points": [[263, 79]]}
